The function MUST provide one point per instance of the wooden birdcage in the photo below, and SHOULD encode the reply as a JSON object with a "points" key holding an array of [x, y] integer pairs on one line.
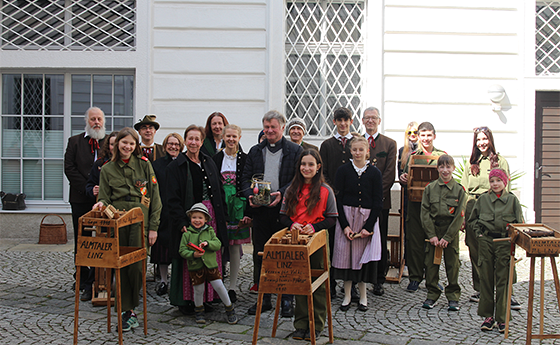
{"points": [[106, 253]]}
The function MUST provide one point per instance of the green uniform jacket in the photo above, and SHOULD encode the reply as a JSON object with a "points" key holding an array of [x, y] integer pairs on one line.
{"points": [[476, 185], [122, 183], [419, 151], [493, 214], [197, 236], [443, 204]]}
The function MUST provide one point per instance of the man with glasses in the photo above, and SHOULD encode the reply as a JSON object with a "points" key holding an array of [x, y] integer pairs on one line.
{"points": [[383, 155], [147, 129]]}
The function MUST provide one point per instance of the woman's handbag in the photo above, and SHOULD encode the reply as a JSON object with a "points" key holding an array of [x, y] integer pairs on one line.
{"points": [[13, 202]]}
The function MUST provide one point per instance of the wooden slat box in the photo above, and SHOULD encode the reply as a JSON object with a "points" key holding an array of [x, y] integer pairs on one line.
{"points": [[536, 245], [420, 175]]}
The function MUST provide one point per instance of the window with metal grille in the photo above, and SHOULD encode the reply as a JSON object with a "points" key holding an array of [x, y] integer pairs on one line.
{"points": [[32, 127], [547, 38], [68, 25], [324, 61]]}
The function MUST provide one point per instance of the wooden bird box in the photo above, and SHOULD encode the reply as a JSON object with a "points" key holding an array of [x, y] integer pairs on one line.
{"points": [[420, 175]]}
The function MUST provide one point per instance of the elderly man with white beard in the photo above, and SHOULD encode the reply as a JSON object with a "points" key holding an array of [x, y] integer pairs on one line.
{"points": [[81, 152]]}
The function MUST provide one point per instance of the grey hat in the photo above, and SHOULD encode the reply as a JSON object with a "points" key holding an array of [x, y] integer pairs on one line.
{"points": [[296, 121], [147, 120], [199, 207]]}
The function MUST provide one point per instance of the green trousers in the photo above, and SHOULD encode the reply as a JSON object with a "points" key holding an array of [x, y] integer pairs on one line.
{"points": [[452, 264], [493, 265], [415, 243], [301, 312], [472, 243], [131, 276]]}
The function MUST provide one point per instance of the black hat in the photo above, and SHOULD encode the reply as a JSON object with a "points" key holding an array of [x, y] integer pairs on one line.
{"points": [[147, 120]]}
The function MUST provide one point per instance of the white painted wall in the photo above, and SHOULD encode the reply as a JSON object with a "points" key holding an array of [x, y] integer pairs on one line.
{"points": [[440, 57], [211, 56]]}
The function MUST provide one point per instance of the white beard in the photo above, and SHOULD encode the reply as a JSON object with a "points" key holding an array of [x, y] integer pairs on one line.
{"points": [[95, 133]]}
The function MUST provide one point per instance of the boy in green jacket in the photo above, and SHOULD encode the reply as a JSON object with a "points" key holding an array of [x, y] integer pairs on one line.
{"points": [[442, 214], [199, 246]]}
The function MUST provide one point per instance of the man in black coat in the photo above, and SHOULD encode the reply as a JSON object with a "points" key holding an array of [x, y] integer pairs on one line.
{"points": [[274, 161], [81, 152]]}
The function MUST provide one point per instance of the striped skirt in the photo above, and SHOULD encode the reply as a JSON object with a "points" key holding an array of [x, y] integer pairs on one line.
{"points": [[352, 255]]}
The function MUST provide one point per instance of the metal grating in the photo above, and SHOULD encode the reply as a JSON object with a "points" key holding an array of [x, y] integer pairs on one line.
{"points": [[547, 38], [80, 25], [324, 58]]}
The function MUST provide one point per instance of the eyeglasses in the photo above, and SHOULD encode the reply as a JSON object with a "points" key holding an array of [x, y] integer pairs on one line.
{"points": [[370, 118], [412, 132], [480, 129], [174, 144]]}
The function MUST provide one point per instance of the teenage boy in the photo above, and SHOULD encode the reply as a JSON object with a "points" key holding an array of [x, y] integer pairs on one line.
{"points": [[147, 129], [383, 155], [414, 232], [335, 152], [442, 214]]}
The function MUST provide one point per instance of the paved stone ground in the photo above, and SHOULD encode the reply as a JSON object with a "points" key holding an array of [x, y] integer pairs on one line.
{"points": [[37, 306]]}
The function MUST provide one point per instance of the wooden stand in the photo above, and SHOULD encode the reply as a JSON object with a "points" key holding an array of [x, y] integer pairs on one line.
{"points": [[105, 252], [286, 269], [536, 247], [396, 260]]}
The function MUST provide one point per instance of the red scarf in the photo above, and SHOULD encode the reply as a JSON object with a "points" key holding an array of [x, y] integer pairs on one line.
{"points": [[94, 144]]}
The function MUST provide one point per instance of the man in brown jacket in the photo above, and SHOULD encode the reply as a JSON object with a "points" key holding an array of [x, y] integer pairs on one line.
{"points": [[81, 152], [383, 155]]}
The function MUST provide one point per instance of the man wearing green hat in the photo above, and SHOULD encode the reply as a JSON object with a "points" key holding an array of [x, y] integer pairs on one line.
{"points": [[147, 129]]}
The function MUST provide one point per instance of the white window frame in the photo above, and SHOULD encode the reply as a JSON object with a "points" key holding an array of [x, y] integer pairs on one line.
{"points": [[62, 206]]}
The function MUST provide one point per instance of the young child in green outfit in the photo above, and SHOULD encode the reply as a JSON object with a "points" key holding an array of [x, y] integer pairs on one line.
{"points": [[491, 214], [442, 214], [202, 264]]}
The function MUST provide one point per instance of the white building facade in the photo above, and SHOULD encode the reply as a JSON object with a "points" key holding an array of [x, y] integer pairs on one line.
{"points": [[432, 60]]}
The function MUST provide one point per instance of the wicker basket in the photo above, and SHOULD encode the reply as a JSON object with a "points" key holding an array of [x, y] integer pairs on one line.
{"points": [[52, 233]]}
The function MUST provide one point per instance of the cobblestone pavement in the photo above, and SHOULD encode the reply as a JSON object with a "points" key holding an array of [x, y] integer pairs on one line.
{"points": [[37, 307]]}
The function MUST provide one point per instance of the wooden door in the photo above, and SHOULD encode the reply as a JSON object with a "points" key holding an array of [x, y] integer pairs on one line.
{"points": [[547, 158]]}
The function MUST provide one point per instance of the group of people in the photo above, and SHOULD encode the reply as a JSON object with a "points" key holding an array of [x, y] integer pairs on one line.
{"points": [[200, 206]]}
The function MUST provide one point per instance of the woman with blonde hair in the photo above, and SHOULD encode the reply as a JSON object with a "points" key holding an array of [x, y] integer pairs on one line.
{"points": [[410, 145], [359, 200], [230, 163], [173, 145]]}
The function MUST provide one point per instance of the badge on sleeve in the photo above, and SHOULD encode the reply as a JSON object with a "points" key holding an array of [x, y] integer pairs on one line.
{"points": [[154, 181], [451, 210]]}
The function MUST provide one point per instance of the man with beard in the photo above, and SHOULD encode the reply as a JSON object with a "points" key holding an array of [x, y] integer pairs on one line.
{"points": [[81, 152], [147, 129]]}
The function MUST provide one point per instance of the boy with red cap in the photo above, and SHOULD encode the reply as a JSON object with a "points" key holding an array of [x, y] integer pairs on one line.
{"points": [[492, 212]]}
